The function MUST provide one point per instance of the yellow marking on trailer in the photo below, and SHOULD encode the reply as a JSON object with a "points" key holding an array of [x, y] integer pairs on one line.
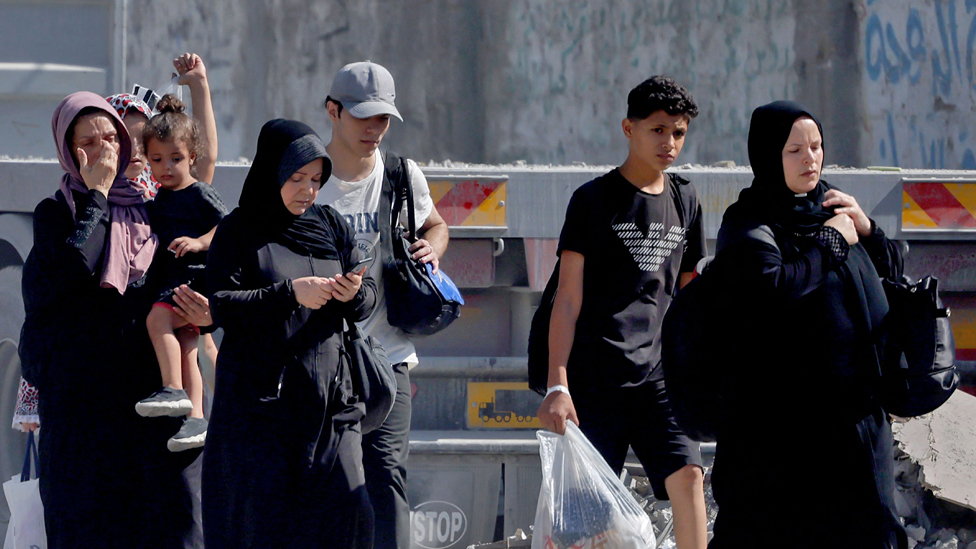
{"points": [[501, 405], [964, 193], [913, 216], [438, 189], [964, 328], [491, 212]]}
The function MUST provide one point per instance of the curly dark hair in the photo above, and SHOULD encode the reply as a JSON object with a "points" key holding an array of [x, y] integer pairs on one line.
{"points": [[172, 124], [660, 93]]}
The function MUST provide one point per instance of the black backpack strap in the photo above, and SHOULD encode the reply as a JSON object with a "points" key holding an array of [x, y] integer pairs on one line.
{"points": [[389, 199], [387, 220], [397, 189], [685, 199], [408, 195]]}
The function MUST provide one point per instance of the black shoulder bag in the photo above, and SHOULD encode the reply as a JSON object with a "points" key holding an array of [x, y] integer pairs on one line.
{"points": [[918, 370], [372, 375], [418, 301]]}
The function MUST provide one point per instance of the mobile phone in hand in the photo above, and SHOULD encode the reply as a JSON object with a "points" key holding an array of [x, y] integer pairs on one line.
{"points": [[359, 264]]}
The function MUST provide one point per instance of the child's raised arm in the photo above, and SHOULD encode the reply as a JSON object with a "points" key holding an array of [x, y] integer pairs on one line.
{"points": [[193, 74]]}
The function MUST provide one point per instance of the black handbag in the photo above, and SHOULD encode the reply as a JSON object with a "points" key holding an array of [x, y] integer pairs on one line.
{"points": [[418, 301], [538, 355], [918, 369], [700, 348], [372, 375]]}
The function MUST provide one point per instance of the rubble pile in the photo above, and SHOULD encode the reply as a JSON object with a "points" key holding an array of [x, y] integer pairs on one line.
{"points": [[660, 511], [936, 489], [931, 523]]}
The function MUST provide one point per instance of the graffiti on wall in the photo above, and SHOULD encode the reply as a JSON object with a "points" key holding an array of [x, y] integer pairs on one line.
{"points": [[919, 83], [570, 65]]}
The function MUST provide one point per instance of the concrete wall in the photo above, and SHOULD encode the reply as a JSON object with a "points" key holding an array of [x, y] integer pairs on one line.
{"points": [[535, 80], [918, 82], [269, 59], [47, 50], [561, 71]]}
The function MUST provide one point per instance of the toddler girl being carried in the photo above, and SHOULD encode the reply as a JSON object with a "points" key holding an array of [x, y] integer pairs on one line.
{"points": [[184, 215]]}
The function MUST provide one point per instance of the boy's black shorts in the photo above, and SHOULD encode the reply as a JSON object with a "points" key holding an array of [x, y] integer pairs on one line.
{"points": [[640, 417]]}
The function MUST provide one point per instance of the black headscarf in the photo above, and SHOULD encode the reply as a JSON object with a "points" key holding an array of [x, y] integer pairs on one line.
{"points": [[284, 146], [769, 197]]}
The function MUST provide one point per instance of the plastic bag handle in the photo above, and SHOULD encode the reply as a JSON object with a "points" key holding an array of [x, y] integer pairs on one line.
{"points": [[31, 449]]}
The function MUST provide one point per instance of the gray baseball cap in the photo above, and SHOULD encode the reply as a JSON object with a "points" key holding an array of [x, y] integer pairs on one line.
{"points": [[365, 89]]}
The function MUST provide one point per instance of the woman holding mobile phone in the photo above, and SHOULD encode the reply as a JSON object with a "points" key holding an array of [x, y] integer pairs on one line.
{"points": [[283, 466]]}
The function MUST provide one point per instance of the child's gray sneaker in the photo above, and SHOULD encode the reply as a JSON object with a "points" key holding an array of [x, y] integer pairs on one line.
{"points": [[165, 402], [192, 434]]}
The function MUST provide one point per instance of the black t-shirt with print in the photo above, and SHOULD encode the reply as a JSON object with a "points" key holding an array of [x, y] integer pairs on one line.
{"points": [[635, 245]]}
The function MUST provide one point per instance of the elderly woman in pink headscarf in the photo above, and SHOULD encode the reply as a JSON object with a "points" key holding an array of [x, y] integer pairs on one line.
{"points": [[106, 478]]}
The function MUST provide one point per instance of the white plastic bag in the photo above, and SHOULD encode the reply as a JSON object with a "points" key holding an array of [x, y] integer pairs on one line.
{"points": [[26, 527], [171, 87], [582, 504]]}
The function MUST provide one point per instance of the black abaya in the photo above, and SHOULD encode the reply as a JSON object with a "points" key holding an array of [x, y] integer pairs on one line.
{"points": [[804, 453], [283, 466], [277, 466], [107, 479]]}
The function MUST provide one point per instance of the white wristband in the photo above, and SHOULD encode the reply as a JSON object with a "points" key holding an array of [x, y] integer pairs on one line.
{"points": [[558, 389]]}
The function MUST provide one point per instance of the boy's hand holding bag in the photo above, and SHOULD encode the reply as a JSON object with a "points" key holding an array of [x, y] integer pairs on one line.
{"points": [[418, 301], [582, 504]]}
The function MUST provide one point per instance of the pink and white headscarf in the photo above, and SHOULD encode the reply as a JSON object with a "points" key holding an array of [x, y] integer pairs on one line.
{"points": [[124, 104]]}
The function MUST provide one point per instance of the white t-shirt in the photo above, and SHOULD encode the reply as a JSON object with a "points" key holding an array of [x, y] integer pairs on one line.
{"points": [[359, 204]]}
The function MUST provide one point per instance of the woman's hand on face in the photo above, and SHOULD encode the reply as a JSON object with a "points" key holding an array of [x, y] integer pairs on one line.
{"points": [[347, 286], [99, 173], [312, 291], [844, 224], [193, 307], [847, 205]]}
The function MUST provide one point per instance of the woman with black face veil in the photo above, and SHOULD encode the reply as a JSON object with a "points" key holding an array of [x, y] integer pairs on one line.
{"points": [[283, 463], [804, 456]]}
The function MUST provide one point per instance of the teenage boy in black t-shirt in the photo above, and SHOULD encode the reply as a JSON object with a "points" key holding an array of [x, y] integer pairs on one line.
{"points": [[631, 237]]}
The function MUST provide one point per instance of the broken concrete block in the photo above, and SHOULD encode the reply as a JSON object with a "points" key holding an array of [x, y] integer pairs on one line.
{"points": [[945, 534], [906, 471], [953, 543], [643, 487], [943, 443], [519, 539], [916, 533], [907, 502]]}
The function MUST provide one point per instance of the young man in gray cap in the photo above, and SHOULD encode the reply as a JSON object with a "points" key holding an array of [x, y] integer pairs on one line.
{"points": [[360, 104]]}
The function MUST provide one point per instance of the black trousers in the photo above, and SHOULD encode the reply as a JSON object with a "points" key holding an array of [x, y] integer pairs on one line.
{"points": [[641, 418], [384, 460]]}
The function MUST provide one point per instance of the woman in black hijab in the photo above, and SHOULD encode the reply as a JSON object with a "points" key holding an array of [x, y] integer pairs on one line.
{"points": [[804, 456], [283, 462]]}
